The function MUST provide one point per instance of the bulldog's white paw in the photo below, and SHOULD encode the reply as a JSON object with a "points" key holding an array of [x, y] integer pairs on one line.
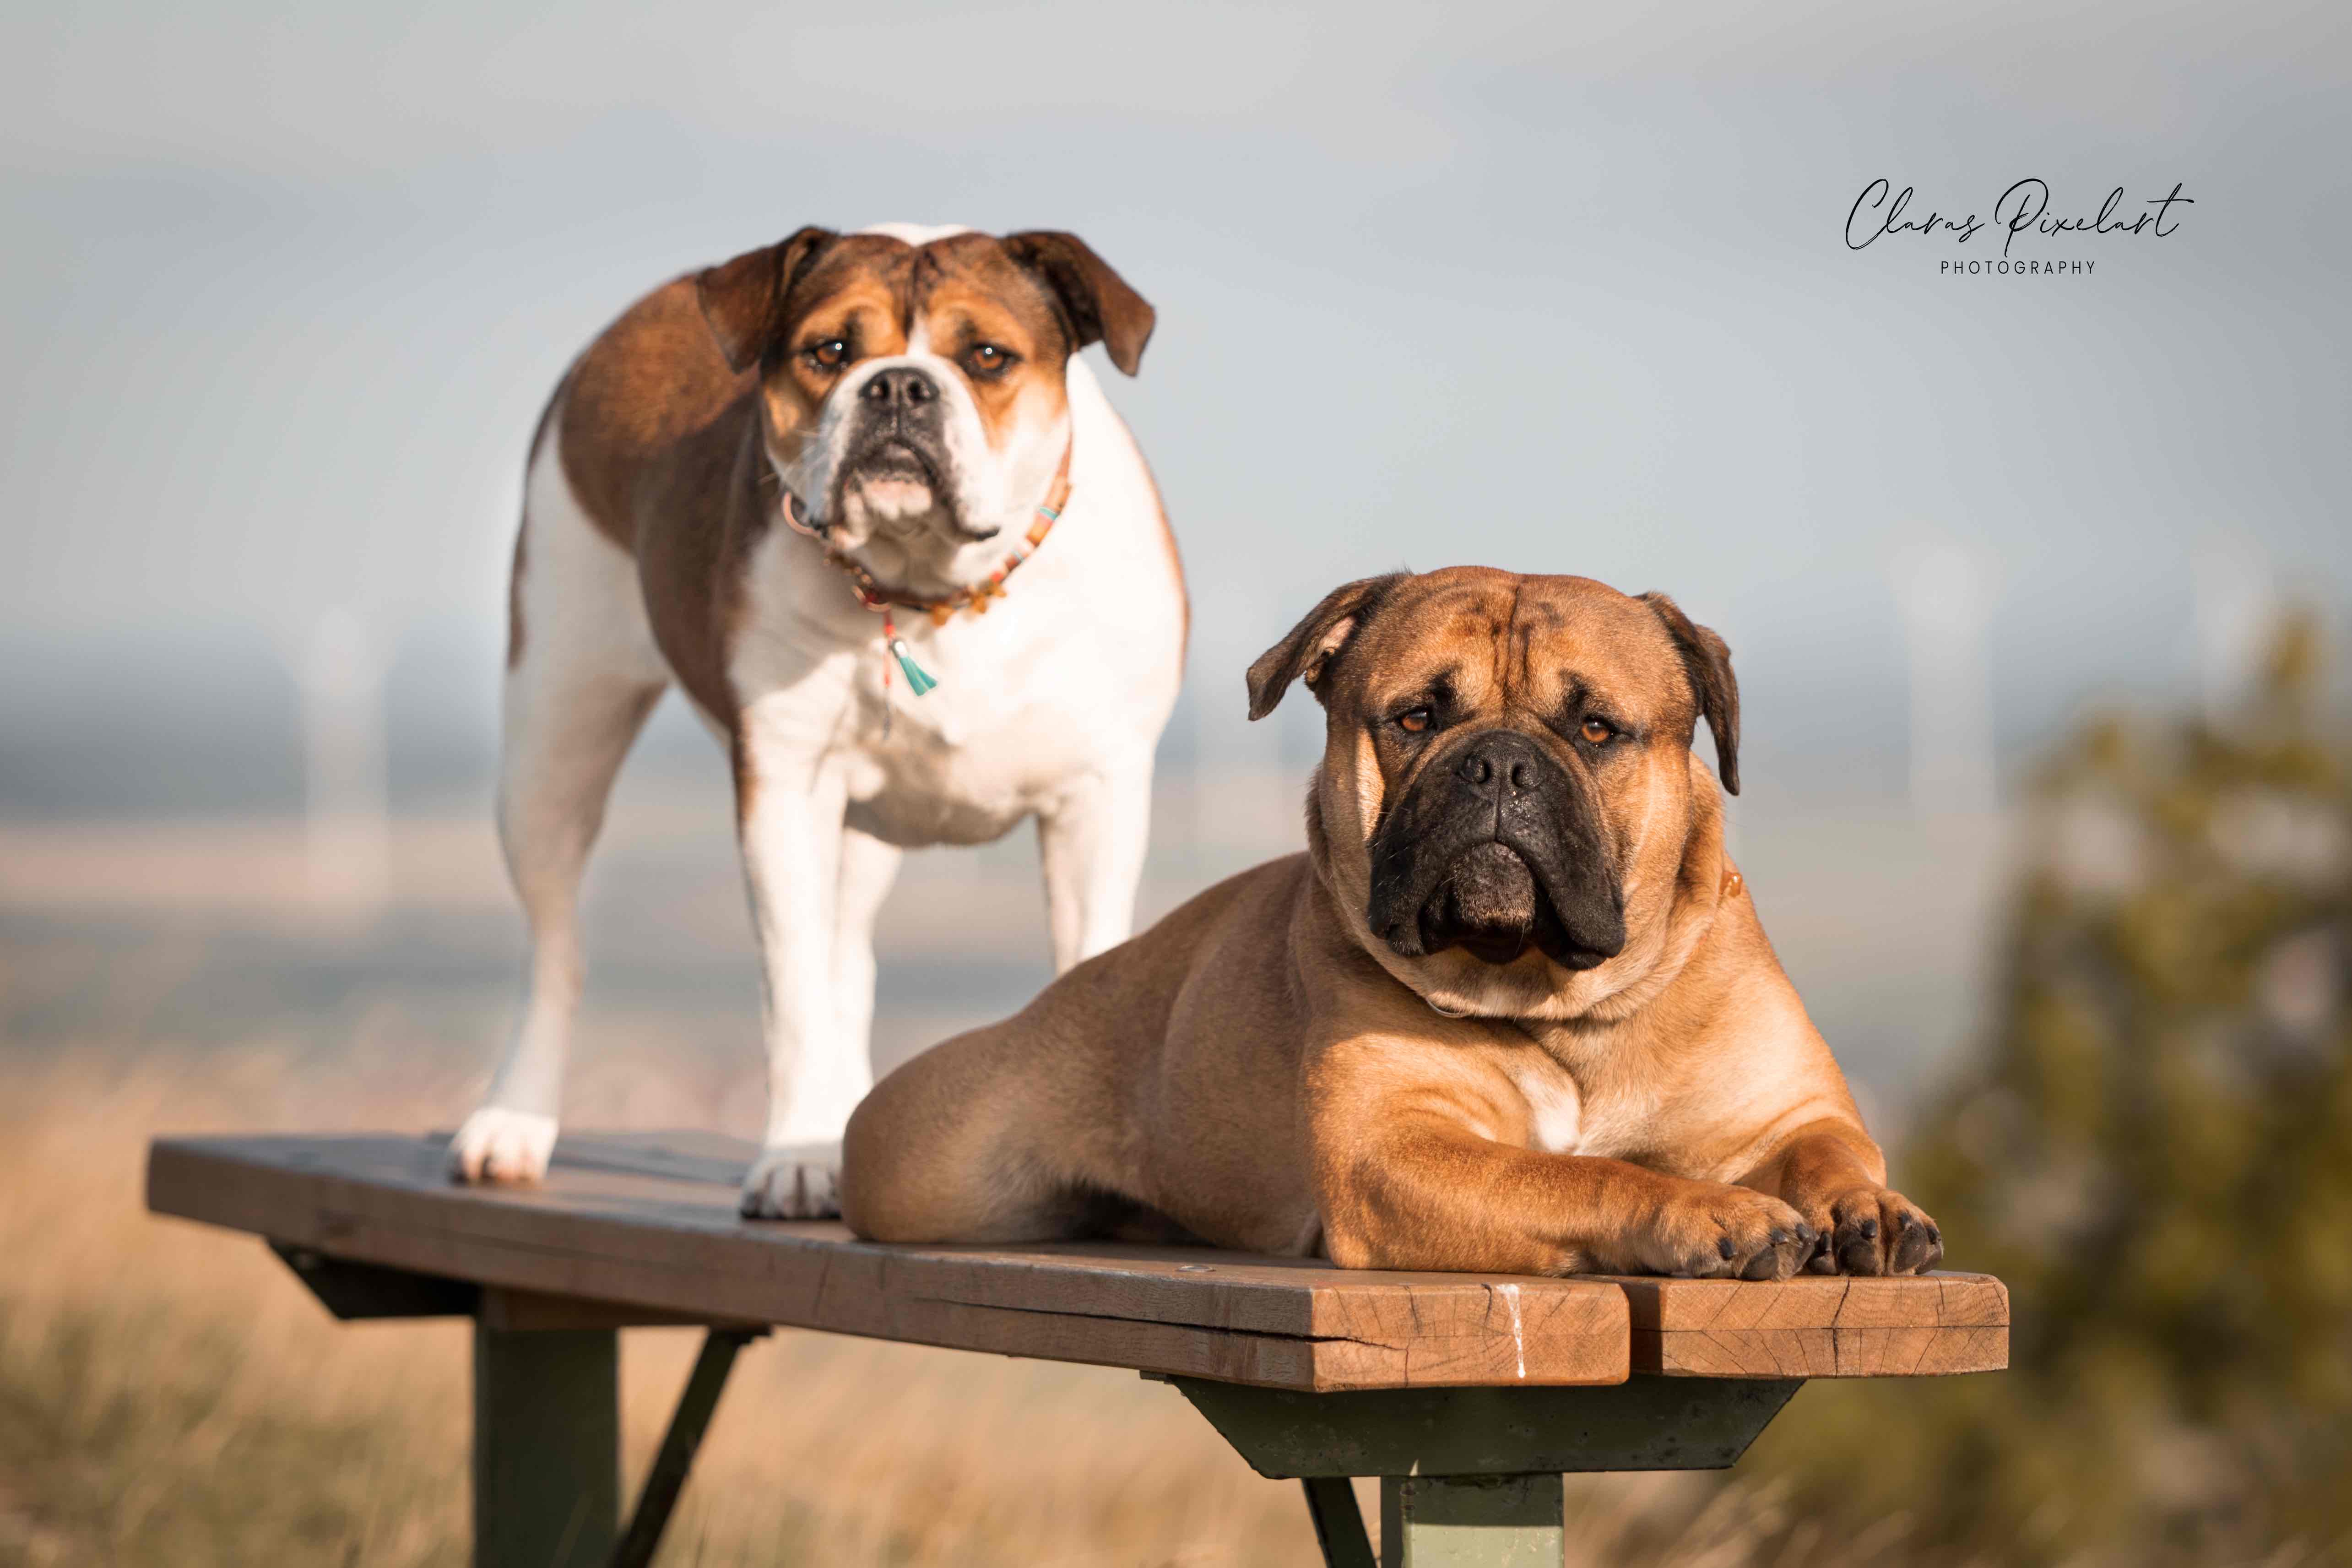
{"points": [[501, 1145], [800, 1180]]}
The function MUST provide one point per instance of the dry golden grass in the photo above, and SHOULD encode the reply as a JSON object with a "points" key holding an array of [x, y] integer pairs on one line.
{"points": [[168, 1393]]}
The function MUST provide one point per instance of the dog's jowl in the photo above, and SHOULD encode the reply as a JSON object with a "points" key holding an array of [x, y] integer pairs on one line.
{"points": [[856, 496], [1511, 1011]]}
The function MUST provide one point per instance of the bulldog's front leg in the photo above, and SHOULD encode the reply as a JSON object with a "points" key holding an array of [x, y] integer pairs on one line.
{"points": [[1833, 1174], [1411, 1171], [788, 809], [1092, 841]]}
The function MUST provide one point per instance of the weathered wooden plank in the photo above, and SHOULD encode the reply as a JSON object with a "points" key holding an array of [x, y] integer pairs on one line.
{"points": [[1812, 1301], [1820, 1327], [534, 1310], [642, 1227], [655, 1229], [687, 1155]]}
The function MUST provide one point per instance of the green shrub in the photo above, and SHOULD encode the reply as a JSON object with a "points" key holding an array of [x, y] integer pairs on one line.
{"points": [[2155, 1152]]}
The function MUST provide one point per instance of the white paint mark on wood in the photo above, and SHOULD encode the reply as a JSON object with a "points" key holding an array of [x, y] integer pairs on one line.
{"points": [[1510, 1295]]}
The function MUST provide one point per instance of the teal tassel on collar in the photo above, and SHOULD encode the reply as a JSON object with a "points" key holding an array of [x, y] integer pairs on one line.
{"points": [[917, 680]]}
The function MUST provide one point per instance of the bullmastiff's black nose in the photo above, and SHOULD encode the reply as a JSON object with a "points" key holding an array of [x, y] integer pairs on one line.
{"points": [[1500, 765]]}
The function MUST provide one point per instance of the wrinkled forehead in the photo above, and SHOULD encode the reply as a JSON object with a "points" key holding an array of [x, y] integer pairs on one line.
{"points": [[1533, 641], [962, 274]]}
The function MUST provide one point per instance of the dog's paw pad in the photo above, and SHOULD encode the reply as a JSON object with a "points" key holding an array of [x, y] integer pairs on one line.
{"points": [[1720, 1232], [501, 1145], [1881, 1232], [803, 1182]]}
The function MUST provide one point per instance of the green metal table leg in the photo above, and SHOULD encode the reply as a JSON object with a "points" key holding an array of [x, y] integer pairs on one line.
{"points": [[547, 1447], [667, 1477], [1471, 1522], [1470, 1477], [1338, 1522], [1645, 1423]]}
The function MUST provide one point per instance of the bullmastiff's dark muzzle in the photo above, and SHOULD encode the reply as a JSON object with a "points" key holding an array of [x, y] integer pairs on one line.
{"points": [[1494, 848]]}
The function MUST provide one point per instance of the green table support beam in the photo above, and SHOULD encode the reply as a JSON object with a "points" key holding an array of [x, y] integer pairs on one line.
{"points": [[547, 1447], [546, 1410], [359, 1292], [1338, 1522], [1470, 1477], [1471, 1522], [1642, 1423], [696, 1406]]}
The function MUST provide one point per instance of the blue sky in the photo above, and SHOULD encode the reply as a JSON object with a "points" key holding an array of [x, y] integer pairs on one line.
{"points": [[1548, 288]]}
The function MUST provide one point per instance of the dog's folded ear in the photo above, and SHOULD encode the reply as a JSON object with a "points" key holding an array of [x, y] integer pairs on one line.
{"points": [[1707, 658], [1313, 642], [1095, 301], [743, 299]]}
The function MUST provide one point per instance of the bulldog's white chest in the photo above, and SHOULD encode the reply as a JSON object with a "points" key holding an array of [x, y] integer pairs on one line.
{"points": [[1072, 671], [1015, 714]]}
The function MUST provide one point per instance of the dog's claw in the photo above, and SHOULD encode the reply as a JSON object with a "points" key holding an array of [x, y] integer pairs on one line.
{"points": [[1721, 1232], [1873, 1231], [496, 1145], [797, 1181]]}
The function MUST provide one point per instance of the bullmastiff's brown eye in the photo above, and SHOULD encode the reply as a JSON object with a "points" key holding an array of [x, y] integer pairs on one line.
{"points": [[1414, 719], [988, 359], [1599, 732], [827, 355]]}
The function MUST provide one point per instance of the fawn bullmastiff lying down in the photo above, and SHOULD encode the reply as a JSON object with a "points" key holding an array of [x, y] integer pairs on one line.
{"points": [[1510, 1013]]}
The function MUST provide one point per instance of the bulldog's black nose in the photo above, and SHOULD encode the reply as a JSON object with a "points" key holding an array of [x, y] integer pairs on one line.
{"points": [[902, 387], [1500, 764]]}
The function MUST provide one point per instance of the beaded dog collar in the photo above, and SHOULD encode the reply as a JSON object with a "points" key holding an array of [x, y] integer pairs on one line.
{"points": [[872, 593]]}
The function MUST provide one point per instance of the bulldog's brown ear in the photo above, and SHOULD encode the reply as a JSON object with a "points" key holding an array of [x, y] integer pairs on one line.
{"points": [[743, 299], [1311, 644], [1707, 658], [1101, 307]]}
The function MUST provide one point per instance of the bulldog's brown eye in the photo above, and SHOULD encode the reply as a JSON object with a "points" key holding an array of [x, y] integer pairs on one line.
{"points": [[1598, 732], [1414, 719], [988, 359], [827, 355]]}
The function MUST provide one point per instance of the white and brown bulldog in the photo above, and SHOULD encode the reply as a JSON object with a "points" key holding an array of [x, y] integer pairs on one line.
{"points": [[1510, 1013], [803, 485]]}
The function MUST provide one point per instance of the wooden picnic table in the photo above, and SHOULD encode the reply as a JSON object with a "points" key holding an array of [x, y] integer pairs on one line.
{"points": [[1467, 1395]]}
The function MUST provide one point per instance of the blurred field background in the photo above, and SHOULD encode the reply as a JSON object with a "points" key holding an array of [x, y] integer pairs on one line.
{"points": [[172, 1396], [2039, 598], [2150, 1139]]}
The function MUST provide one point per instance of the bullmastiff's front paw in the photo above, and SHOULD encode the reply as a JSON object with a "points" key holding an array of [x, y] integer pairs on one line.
{"points": [[799, 1181], [1712, 1231], [1871, 1230]]}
